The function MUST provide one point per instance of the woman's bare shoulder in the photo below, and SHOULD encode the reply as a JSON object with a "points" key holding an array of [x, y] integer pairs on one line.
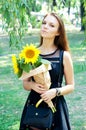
{"points": [[67, 54], [67, 57]]}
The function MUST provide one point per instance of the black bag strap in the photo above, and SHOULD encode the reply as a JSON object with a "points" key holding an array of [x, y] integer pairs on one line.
{"points": [[60, 68], [60, 71]]}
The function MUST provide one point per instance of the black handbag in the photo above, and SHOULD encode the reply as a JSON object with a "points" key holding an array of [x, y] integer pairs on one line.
{"points": [[38, 117]]}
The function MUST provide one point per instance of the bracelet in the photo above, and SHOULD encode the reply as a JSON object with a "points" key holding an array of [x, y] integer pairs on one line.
{"points": [[58, 92]]}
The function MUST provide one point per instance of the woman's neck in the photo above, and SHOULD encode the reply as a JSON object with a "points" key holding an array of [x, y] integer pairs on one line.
{"points": [[48, 46], [48, 43]]}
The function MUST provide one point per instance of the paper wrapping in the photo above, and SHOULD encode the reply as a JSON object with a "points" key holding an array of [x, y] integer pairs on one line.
{"points": [[40, 74], [43, 78]]}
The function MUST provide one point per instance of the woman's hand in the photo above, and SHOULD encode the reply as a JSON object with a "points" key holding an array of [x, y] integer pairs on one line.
{"points": [[39, 88], [28, 84], [48, 95]]}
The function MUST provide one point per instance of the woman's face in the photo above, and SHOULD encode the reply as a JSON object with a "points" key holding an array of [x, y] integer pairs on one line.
{"points": [[49, 28]]}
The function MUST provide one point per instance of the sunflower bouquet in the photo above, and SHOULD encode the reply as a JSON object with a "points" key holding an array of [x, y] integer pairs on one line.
{"points": [[29, 63]]}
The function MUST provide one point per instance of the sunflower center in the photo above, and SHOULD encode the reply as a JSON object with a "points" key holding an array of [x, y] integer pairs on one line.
{"points": [[30, 53]]}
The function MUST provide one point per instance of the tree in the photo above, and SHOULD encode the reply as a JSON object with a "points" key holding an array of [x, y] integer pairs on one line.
{"points": [[15, 16], [54, 3], [83, 14]]}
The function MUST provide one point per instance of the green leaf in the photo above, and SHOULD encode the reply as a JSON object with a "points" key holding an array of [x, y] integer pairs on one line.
{"points": [[37, 64], [26, 67], [43, 61], [21, 61], [20, 73]]}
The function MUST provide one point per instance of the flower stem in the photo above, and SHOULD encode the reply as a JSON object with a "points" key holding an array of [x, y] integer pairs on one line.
{"points": [[50, 104]]}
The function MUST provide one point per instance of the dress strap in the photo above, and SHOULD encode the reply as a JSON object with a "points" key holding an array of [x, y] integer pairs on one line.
{"points": [[61, 65]]}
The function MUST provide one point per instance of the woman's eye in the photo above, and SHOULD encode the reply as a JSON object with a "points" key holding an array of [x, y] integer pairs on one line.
{"points": [[43, 22], [51, 25]]}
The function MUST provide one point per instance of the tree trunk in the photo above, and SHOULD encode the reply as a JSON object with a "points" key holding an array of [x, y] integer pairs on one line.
{"points": [[54, 3], [69, 5], [82, 13]]}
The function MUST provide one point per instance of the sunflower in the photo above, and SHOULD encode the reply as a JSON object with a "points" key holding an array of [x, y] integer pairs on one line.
{"points": [[30, 54], [15, 64]]}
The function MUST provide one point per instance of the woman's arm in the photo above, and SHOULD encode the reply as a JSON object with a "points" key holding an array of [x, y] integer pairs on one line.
{"points": [[68, 74], [28, 84], [69, 80]]}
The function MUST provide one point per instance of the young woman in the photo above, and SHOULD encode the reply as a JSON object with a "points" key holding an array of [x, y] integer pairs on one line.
{"points": [[53, 41]]}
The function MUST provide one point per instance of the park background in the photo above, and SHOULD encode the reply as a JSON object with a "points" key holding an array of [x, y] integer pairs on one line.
{"points": [[20, 24]]}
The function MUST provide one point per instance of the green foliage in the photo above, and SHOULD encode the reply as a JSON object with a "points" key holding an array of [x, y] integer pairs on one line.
{"points": [[38, 7], [15, 19], [33, 21], [15, 16], [84, 23], [25, 67], [84, 19]]}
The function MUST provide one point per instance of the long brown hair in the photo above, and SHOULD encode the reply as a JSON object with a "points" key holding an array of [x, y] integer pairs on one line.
{"points": [[60, 41]]}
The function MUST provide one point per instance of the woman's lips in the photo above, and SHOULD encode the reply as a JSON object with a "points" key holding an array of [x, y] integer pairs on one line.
{"points": [[44, 31]]}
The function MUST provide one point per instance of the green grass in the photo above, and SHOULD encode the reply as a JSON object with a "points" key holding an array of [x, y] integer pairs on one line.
{"points": [[76, 102], [13, 96]]}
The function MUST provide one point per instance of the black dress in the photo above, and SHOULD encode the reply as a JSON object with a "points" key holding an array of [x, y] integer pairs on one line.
{"points": [[61, 117]]}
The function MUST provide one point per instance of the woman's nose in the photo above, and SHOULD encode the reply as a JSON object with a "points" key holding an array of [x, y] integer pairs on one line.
{"points": [[46, 26]]}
